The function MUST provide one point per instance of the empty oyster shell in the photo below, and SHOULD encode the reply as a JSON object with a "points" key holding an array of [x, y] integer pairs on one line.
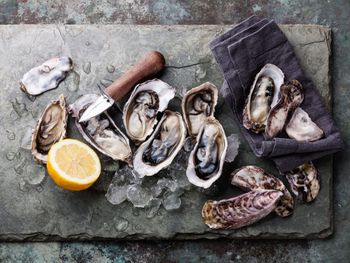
{"points": [[304, 182], [302, 128], [207, 158], [47, 76], [240, 211], [197, 105], [159, 150], [263, 96], [50, 128], [140, 111], [292, 95], [253, 177], [101, 131]]}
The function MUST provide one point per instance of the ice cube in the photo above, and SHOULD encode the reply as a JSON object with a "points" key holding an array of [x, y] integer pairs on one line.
{"points": [[171, 201], [35, 174], [153, 207], [116, 194], [139, 196], [232, 148], [26, 140]]}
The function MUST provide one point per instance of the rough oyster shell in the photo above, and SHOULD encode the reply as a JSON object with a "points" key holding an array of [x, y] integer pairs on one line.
{"points": [[253, 177], [207, 158], [197, 105], [263, 96], [159, 150], [302, 128], [292, 95], [50, 128], [240, 211], [140, 111], [101, 131], [47, 76], [304, 182]]}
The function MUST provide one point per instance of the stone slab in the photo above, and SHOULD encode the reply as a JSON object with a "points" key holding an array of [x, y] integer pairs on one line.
{"points": [[45, 212]]}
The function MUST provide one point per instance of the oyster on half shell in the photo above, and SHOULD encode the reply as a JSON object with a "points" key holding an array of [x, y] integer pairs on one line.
{"points": [[50, 128], [47, 76], [263, 96], [197, 105], [141, 109], [207, 158], [159, 150], [101, 131]]}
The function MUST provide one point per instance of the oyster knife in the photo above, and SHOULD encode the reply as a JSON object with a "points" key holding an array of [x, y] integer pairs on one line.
{"points": [[150, 64]]}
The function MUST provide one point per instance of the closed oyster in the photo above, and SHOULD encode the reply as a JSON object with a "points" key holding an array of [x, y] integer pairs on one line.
{"points": [[240, 211], [253, 177], [47, 76], [145, 102], [50, 128], [197, 105], [207, 158], [101, 131], [159, 150], [304, 182], [302, 128], [292, 95], [263, 96]]}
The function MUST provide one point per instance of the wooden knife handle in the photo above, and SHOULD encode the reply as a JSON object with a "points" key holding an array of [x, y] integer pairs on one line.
{"points": [[150, 64]]}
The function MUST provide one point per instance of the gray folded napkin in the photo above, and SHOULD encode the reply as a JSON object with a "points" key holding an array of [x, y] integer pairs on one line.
{"points": [[241, 53]]}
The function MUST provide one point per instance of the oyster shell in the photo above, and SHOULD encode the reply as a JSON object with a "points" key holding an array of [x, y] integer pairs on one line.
{"points": [[141, 109], [47, 76], [50, 128], [159, 150], [292, 95], [197, 105], [101, 131], [263, 96], [240, 211], [302, 128], [253, 177], [304, 182], [207, 158]]}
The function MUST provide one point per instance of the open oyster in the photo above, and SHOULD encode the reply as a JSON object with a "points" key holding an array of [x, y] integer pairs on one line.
{"points": [[47, 76], [160, 149], [197, 105], [241, 210], [304, 182], [101, 131], [263, 96], [50, 128], [207, 158], [292, 95], [140, 111], [253, 177], [302, 128]]}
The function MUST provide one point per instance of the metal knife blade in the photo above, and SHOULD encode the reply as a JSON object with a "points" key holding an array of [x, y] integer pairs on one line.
{"points": [[99, 106]]}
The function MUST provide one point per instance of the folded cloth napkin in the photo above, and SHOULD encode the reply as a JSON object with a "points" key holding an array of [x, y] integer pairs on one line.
{"points": [[241, 53]]}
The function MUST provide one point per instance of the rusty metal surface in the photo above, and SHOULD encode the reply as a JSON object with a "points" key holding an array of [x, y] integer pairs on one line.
{"points": [[330, 13]]}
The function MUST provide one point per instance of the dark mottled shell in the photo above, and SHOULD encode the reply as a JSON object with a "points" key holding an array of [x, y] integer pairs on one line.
{"points": [[252, 177], [240, 211], [292, 95], [304, 182]]}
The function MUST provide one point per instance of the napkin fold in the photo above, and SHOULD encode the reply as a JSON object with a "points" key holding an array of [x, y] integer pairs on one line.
{"points": [[241, 53]]}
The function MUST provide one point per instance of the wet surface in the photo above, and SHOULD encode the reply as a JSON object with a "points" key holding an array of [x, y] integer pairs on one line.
{"points": [[330, 13]]}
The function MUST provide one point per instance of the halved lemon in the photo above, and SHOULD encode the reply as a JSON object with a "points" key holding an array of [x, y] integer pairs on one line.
{"points": [[73, 165]]}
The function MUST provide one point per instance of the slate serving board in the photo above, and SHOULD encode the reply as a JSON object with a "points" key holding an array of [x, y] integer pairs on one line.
{"points": [[46, 212]]}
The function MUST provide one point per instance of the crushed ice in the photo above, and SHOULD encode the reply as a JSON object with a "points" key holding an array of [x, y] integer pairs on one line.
{"points": [[232, 148]]}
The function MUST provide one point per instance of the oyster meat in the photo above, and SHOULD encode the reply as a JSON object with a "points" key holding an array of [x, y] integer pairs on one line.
{"points": [[141, 109], [50, 128], [47, 76], [292, 95], [159, 150], [304, 182], [302, 128], [240, 211], [207, 158], [263, 96], [197, 105], [101, 131], [252, 177]]}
